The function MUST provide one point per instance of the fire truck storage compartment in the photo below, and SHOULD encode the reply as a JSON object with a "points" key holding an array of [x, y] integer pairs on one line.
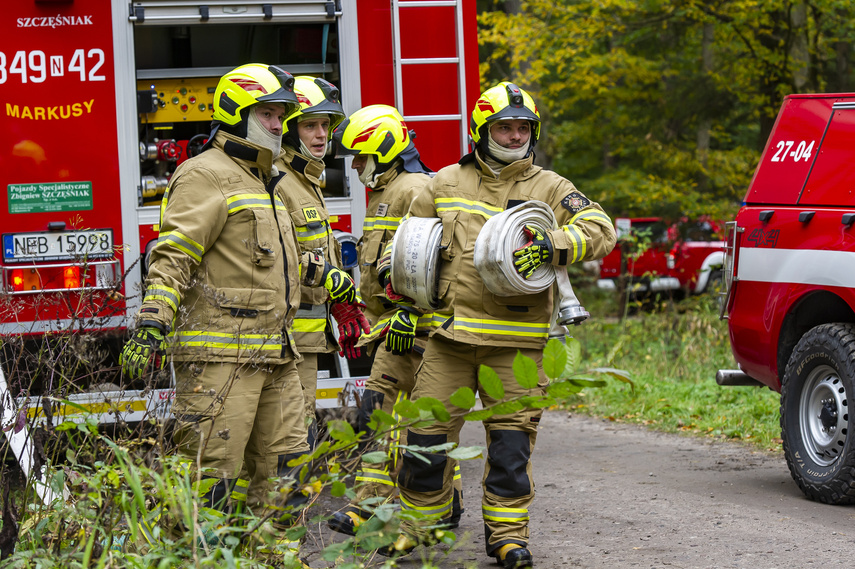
{"points": [[177, 70]]}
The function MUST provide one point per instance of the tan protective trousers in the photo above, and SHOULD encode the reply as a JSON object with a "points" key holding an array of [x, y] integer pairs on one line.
{"points": [[229, 415], [308, 370], [392, 380], [508, 487]]}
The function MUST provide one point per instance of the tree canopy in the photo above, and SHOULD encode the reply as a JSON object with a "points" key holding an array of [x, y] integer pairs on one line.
{"points": [[662, 107]]}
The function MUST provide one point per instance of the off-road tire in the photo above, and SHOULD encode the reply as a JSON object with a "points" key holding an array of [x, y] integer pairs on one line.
{"points": [[815, 418]]}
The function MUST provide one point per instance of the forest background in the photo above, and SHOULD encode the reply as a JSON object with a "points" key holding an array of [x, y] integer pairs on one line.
{"points": [[663, 107]]}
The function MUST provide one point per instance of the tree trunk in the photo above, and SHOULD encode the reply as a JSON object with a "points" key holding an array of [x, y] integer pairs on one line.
{"points": [[705, 124]]}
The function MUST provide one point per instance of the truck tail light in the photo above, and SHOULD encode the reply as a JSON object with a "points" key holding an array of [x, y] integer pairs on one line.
{"points": [[71, 277], [59, 277]]}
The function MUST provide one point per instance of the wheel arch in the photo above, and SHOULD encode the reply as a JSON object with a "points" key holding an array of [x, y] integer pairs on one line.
{"points": [[815, 308], [713, 260]]}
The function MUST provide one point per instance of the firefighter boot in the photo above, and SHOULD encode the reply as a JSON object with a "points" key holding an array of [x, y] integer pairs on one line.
{"points": [[347, 521], [402, 546], [513, 556]]}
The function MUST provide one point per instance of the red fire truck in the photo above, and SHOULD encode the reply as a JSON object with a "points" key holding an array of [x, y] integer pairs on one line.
{"points": [[790, 300], [684, 257], [103, 99]]}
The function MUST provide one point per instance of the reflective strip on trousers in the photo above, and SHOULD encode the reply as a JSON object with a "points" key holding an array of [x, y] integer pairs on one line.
{"points": [[456, 472], [441, 511], [502, 327], [239, 491], [496, 514], [375, 476]]}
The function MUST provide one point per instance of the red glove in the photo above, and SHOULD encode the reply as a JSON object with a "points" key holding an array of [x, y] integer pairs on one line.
{"points": [[397, 298], [352, 323]]}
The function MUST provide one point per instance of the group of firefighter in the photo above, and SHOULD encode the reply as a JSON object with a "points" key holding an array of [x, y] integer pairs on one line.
{"points": [[246, 274]]}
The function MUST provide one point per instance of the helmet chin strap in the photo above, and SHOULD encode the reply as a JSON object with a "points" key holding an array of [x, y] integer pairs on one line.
{"points": [[257, 134]]}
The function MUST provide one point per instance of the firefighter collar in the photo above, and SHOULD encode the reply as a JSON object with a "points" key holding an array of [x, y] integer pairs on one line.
{"points": [[241, 150], [312, 170]]}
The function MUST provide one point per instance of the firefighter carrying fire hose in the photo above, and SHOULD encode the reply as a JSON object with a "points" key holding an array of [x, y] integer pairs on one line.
{"points": [[388, 163], [222, 290], [304, 140], [488, 329]]}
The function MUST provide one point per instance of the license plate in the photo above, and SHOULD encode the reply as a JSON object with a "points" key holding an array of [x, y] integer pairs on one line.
{"points": [[57, 245]]}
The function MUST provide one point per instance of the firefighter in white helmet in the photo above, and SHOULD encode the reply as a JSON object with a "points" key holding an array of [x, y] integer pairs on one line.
{"points": [[304, 140], [222, 290], [388, 163], [485, 329]]}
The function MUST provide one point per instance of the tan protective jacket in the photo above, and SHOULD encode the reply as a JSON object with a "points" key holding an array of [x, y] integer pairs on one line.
{"points": [[464, 196], [305, 202], [225, 274], [387, 204]]}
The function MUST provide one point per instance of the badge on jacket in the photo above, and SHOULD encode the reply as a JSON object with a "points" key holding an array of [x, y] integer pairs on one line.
{"points": [[311, 214], [382, 209], [574, 202]]}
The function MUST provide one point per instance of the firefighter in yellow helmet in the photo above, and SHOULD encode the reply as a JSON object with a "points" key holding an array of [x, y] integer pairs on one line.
{"points": [[304, 141], [222, 289], [485, 329], [388, 163]]}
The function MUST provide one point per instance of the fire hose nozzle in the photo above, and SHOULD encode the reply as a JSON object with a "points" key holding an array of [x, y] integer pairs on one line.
{"points": [[570, 310]]}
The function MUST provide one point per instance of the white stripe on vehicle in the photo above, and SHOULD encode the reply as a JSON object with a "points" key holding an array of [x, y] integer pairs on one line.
{"points": [[797, 266]]}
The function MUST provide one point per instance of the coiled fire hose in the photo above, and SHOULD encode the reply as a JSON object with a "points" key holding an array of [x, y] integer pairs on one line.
{"points": [[415, 260], [494, 258]]}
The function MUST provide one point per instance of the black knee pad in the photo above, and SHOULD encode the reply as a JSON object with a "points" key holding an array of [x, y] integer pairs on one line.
{"points": [[418, 476], [508, 457]]}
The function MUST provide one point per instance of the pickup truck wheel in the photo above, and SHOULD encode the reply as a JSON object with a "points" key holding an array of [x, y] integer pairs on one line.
{"points": [[815, 418]]}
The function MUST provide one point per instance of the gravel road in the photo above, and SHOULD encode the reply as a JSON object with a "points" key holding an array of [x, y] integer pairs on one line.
{"points": [[620, 496]]}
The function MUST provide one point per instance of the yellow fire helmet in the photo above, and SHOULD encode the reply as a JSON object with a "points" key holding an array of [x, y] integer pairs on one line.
{"points": [[249, 84], [378, 130], [317, 97], [504, 101]]}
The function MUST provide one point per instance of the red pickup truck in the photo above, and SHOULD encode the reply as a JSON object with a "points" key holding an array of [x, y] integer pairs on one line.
{"points": [[790, 300], [685, 256]]}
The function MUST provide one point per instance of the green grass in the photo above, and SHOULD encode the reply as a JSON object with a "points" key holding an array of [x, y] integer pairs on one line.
{"points": [[672, 351]]}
